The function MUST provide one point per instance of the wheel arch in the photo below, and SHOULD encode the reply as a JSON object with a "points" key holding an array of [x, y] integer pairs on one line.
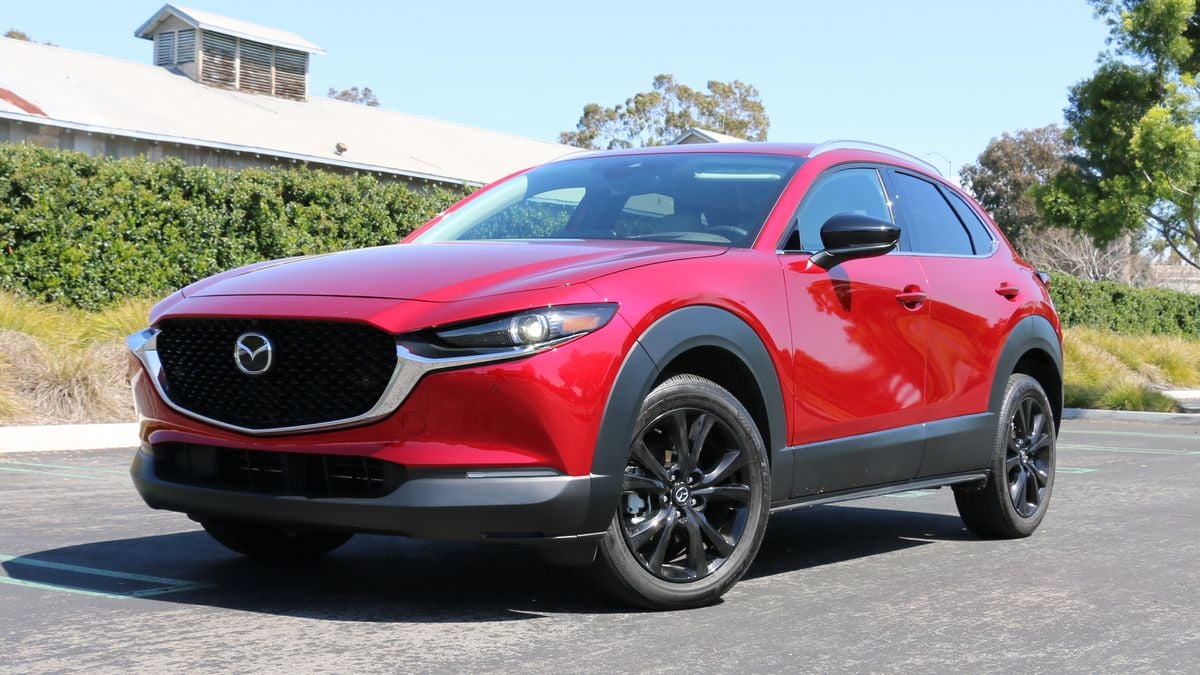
{"points": [[695, 338], [1032, 349]]}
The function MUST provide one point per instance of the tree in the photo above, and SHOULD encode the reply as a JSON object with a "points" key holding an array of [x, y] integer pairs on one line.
{"points": [[1134, 124], [16, 34], [353, 95], [658, 116], [1006, 172]]}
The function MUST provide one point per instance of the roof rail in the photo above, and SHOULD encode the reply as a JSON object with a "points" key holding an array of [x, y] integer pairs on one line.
{"points": [[846, 144]]}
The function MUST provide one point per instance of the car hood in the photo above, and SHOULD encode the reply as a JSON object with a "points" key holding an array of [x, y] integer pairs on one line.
{"points": [[446, 271]]}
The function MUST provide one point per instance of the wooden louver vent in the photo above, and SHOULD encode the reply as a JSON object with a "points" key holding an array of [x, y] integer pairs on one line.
{"points": [[254, 70], [185, 46], [164, 48], [218, 66], [291, 70]]}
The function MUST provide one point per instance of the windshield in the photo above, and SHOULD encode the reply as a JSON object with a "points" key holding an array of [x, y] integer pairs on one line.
{"points": [[714, 198]]}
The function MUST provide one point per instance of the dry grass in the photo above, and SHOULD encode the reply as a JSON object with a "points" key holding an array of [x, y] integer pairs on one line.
{"points": [[1127, 372], [61, 366]]}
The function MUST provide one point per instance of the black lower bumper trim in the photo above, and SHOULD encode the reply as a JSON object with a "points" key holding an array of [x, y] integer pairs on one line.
{"points": [[544, 509]]}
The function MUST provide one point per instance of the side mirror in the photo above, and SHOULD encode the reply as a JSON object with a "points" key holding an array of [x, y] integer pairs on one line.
{"points": [[847, 236]]}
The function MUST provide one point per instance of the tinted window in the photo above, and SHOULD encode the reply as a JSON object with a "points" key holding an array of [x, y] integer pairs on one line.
{"points": [[848, 191], [932, 224], [979, 232]]}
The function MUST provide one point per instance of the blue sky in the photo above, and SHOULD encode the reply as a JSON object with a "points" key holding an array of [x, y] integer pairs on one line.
{"points": [[927, 77]]}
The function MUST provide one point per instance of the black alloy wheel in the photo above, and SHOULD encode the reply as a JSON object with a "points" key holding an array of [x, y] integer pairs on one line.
{"points": [[1027, 460], [1013, 501], [694, 502], [686, 496]]}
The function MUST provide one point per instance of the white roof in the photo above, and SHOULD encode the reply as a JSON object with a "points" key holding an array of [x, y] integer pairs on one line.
{"points": [[227, 25], [100, 94], [709, 136]]}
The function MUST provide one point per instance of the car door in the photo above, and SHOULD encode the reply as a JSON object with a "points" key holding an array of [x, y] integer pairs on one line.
{"points": [[859, 341], [972, 295]]}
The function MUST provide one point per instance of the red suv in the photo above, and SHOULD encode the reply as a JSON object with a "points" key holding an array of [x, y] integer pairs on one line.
{"points": [[628, 359]]}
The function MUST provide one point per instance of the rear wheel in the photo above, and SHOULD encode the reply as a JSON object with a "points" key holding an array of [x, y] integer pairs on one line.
{"points": [[265, 542], [1013, 502], [695, 500]]}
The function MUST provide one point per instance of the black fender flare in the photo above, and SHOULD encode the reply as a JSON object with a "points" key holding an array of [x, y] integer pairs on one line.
{"points": [[670, 336], [1031, 333]]}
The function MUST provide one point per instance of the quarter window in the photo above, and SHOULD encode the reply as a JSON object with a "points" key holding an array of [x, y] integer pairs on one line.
{"points": [[979, 232], [932, 224], [847, 191]]}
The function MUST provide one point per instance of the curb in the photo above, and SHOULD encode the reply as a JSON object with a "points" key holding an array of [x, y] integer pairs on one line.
{"points": [[52, 437], [1186, 419]]}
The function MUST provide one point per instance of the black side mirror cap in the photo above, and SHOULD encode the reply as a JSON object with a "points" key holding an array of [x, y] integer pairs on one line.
{"points": [[847, 236]]}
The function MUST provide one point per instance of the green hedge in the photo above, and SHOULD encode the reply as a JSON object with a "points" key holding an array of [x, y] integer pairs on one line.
{"points": [[88, 231], [1124, 309]]}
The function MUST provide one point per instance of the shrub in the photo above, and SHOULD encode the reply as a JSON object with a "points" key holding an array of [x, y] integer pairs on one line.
{"points": [[1124, 309], [89, 231]]}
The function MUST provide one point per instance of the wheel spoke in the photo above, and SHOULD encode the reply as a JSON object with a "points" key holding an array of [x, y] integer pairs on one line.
{"points": [[679, 439], [635, 482], [1032, 493], [1011, 462], [642, 455], [732, 493], [718, 540], [731, 462], [1041, 443], [644, 531], [697, 435], [697, 558], [664, 541], [1017, 488], [1039, 422], [1026, 416], [1040, 474]]}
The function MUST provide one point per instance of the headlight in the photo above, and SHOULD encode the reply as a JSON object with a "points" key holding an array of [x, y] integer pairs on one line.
{"points": [[529, 328]]}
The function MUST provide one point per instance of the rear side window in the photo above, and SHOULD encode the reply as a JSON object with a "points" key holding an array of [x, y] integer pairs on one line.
{"points": [[979, 233], [932, 224], [847, 191]]}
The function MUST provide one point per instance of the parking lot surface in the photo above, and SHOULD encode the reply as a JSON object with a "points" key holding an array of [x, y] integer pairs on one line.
{"points": [[91, 579]]}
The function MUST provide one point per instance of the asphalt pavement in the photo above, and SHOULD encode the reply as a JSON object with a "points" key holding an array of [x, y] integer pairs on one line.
{"points": [[92, 580]]}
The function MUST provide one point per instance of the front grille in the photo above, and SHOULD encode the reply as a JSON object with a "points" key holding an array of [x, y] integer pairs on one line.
{"points": [[322, 371], [278, 473]]}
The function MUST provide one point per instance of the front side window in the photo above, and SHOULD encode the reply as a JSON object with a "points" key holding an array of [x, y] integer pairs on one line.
{"points": [[932, 224], [719, 199], [857, 191]]}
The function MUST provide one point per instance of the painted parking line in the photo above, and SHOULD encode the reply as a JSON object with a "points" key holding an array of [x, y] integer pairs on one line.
{"points": [[1146, 451], [45, 472], [909, 494], [162, 585], [1102, 432], [76, 467], [1073, 469]]}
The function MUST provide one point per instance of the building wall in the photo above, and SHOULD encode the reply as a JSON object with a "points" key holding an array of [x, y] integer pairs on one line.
{"points": [[121, 147], [1177, 277]]}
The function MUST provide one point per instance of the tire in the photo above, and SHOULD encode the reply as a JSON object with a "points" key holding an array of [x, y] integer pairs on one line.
{"points": [[1014, 500], [273, 544], [695, 503]]}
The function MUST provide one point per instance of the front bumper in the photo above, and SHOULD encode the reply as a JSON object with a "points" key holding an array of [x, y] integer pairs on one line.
{"points": [[537, 509]]}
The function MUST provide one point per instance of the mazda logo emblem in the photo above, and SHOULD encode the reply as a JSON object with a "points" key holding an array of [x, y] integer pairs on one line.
{"points": [[253, 353]]}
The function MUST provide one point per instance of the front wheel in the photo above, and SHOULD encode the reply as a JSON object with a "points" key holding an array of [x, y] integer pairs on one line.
{"points": [[1013, 502], [695, 501]]}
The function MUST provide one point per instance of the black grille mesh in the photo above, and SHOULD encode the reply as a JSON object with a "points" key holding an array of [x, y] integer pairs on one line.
{"points": [[323, 371], [281, 473]]}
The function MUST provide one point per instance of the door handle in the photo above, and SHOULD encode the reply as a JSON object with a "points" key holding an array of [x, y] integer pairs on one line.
{"points": [[1007, 292], [911, 297]]}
